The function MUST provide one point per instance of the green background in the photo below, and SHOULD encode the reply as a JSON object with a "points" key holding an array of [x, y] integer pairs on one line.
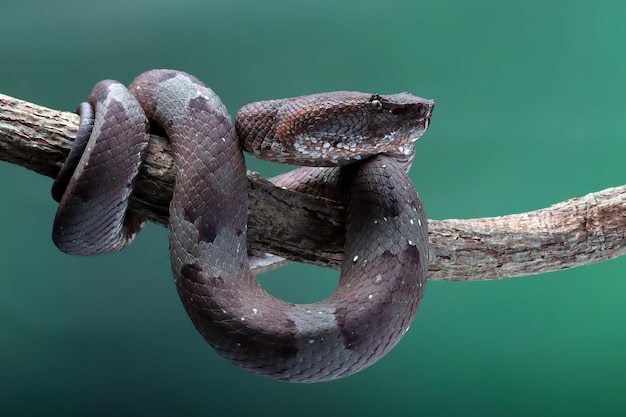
{"points": [[530, 111]]}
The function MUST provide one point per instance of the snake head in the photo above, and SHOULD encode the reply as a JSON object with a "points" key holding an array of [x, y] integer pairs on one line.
{"points": [[403, 116], [335, 128]]}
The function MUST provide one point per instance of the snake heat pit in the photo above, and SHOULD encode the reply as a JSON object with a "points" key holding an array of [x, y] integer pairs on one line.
{"points": [[354, 145]]}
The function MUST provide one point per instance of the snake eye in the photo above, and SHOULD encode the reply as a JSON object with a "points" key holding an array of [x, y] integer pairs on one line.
{"points": [[376, 102]]}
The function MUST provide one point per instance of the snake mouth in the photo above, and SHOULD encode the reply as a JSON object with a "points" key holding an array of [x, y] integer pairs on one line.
{"points": [[424, 122]]}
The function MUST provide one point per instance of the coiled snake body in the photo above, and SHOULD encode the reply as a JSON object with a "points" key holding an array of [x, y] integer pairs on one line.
{"points": [[386, 250]]}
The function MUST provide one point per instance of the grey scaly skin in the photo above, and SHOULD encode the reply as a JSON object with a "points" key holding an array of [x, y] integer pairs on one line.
{"points": [[386, 251]]}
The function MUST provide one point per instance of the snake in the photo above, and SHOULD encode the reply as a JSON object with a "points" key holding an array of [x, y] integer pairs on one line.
{"points": [[351, 145]]}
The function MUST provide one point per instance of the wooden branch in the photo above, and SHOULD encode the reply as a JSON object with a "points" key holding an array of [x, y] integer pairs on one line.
{"points": [[303, 228]]}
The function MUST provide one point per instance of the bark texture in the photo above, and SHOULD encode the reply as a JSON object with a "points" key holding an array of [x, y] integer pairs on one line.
{"points": [[304, 228]]}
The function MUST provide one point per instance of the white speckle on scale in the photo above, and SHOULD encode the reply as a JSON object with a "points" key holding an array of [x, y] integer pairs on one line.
{"points": [[311, 341], [254, 310], [419, 222], [369, 297], [411, 221], [356, 258], [378, 278]]}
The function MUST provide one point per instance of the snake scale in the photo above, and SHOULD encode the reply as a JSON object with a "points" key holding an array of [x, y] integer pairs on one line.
{"points": [[386, 250]]}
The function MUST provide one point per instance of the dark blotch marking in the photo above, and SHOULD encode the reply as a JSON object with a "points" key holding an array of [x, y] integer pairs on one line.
{"points": [[114, 108], [289, 351], [201, 104], [190, 214], [207, 233], [163, 75], [279, 340], [191, 272], [289, 347], [392, 210], [413, 252], [349, 336], [354, 327], [84, 191]]}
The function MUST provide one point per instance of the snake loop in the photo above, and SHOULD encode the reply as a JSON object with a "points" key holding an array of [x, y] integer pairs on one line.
{"points": [[386, 251]]}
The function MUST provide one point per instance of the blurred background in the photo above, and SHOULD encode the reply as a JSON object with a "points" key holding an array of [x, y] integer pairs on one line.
{"points": [[530, 111]]}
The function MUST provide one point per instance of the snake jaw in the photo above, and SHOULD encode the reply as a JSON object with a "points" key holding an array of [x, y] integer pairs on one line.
{"points": [[426, 124]]}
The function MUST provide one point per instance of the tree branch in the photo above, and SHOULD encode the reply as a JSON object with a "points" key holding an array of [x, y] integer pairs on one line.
{"points": [[307, 229]]}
